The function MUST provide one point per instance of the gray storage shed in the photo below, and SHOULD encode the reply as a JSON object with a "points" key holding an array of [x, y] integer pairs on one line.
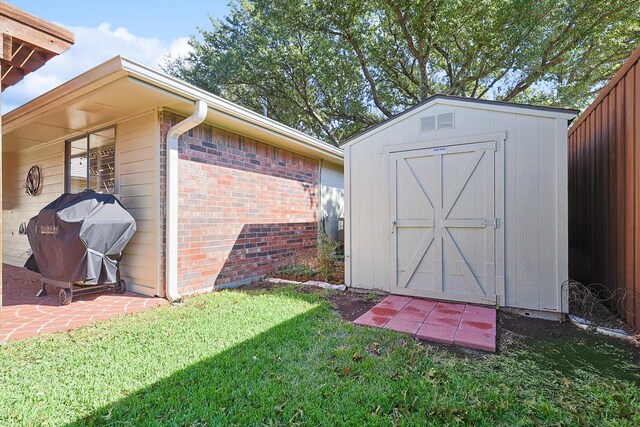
{"points": [[461, 199]]}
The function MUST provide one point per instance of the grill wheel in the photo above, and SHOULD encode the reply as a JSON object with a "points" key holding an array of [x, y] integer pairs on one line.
{"points": [[121, 286], [65, 296]]}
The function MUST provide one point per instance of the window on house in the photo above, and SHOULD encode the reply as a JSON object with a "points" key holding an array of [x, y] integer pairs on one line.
{"points": [[91, 162]]}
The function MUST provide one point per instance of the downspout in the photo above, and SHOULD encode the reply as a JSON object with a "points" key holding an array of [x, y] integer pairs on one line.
{"points": [[321, 223], [171, 209]]}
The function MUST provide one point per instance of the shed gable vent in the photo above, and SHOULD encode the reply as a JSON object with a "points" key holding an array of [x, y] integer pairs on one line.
{"points": [[427, 123], [445, 121], [441, 121]]}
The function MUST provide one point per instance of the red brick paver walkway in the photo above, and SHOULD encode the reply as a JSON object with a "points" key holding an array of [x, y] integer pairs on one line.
{"points": [[24, 315], [445, 322]]}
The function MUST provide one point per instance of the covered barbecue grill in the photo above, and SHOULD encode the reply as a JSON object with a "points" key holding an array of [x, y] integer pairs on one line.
{"points": [[77, 242]]}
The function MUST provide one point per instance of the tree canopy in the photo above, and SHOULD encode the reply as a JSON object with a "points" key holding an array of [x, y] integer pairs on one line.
{"points": [[334, 67]]}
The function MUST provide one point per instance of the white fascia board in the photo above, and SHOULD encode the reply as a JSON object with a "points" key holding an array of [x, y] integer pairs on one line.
{"points": [[172, 84]]}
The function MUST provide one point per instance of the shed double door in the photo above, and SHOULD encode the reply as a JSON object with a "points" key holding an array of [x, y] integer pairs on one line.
{"points": [[446, 207]]}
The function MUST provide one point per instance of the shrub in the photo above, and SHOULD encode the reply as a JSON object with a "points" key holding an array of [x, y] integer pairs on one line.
{"points": [[298, 270], [329, 265]]}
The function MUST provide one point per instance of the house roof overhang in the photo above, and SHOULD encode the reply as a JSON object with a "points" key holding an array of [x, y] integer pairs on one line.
{"points": [[121, 88], [27, 43]]}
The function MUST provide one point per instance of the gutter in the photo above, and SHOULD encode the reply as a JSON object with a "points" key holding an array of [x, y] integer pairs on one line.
{"points": [[182, 88], [171, 210]]}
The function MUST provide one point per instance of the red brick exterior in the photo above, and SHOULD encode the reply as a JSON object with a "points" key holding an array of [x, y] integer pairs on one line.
{"points": [[244, 206]]}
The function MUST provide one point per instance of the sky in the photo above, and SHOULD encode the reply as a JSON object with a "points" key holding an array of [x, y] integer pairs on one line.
{"points": [[145, 31]]}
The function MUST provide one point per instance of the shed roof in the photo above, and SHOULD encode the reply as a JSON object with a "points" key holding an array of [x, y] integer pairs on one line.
{"points": [[567, 113], [120, 87]]}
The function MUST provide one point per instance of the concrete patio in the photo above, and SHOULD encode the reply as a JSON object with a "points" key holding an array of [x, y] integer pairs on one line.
{"points": [[444, 322], [24, 314]]}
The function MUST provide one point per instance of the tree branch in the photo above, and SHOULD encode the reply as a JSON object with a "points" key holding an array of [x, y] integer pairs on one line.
{"points": [[367, 74]]}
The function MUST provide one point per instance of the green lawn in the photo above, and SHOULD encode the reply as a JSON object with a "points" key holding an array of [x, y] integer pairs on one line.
{"points": [[283, 357]]}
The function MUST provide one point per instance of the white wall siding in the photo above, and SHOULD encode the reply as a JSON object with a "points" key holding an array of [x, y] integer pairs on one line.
{"points": [[138, 153], [17, 206], [137, 169], [535, 224]]}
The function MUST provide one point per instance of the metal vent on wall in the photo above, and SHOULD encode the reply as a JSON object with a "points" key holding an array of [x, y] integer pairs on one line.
{"points": [[427, 123], [95, 107], [441, 121], [445, 121]]}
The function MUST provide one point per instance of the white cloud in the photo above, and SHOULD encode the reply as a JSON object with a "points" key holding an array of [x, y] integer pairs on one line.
{"points": [[180, 47], [92, 47]]}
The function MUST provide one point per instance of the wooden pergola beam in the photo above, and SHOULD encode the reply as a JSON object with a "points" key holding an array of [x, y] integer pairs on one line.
{"points": [[23, 55], [11, 75], [31, 29], [27, 43]]}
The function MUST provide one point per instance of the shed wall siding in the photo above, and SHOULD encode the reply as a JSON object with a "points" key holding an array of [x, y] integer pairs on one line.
{"points": [[604, 180], [244, 206], [137, 170], [534, 264]]}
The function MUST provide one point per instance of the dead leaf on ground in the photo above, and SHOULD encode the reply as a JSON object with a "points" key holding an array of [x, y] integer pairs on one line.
{"points": [[373, 348]]}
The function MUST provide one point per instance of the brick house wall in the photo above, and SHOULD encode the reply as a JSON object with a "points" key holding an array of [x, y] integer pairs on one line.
{"points": [[244, 206]]}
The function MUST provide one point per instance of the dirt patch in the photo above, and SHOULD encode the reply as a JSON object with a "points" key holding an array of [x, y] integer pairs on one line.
{"points": [[532, 328], [513, 329], [351, 305]]}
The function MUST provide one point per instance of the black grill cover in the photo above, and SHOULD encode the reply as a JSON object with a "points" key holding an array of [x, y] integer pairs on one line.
{"points": [[79, 238]]}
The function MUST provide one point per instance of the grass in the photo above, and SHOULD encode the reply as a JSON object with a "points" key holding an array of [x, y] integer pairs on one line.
{"points": [[283, 357]]}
